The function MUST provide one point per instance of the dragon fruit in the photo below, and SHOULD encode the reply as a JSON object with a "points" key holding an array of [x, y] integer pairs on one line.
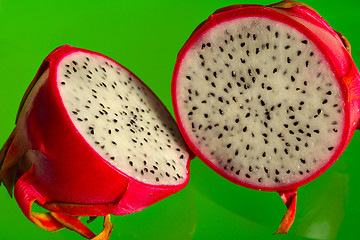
{"points": [[267, 96], [91, 140]]}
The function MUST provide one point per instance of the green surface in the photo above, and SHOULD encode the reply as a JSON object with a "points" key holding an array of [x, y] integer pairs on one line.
{"points": [[145, 36]]}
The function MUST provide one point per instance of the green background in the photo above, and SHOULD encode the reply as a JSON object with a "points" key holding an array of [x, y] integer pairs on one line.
{"points": [[145, 36]]}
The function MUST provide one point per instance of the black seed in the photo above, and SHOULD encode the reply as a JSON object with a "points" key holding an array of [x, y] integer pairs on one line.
{"points": [[277, 180], [206, 115], [229, 145], [275, 70], [220, 135], [247, 147], [131, 163], [264, 154], [330, 148], [277, 172], [230, 56], [242, 44], [304, 41], [250, 169], [288, 60], [247, 115], [247, 175], [237, 120], [244, 129], [226, 128], [303, 160], [325, 101], [276, 34], [307, 63], [237, 172]]}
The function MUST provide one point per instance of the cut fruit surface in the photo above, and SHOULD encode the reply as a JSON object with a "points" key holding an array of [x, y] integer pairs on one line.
{"points": [[262, 102], [121, 119]]}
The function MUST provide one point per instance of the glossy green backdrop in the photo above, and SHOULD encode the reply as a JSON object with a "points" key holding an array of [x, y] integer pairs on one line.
{"points": [[145, 36]]}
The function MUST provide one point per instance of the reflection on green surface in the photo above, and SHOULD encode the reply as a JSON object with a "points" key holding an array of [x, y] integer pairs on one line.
{"points": [[146, 37]]}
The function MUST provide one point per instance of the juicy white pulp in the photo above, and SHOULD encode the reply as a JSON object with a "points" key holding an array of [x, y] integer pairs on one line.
{"points": [[121, 119], [258, 99]]}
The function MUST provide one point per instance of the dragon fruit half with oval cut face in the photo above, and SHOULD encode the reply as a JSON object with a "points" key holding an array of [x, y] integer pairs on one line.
{"points": [[267, 96], [91, 140]]}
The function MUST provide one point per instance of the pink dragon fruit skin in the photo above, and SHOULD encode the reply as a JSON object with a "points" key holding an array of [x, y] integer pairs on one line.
{"points": [[47, 160], [336, 51]]}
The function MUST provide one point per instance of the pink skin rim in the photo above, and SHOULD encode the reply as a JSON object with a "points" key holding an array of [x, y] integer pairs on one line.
{"points": [[261, 11]]}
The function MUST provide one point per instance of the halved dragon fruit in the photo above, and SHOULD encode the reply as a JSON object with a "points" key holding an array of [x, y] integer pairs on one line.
{"points": [[267, 96], [91, 140]]}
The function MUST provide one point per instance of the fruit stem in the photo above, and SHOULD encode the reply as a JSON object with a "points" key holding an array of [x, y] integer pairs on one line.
{"points": [[26, 195], [289, 198], [106, 232]]}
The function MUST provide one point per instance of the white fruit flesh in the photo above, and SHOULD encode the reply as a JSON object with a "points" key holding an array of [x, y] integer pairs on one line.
{"points": [[259, 101], [121, 119]]}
